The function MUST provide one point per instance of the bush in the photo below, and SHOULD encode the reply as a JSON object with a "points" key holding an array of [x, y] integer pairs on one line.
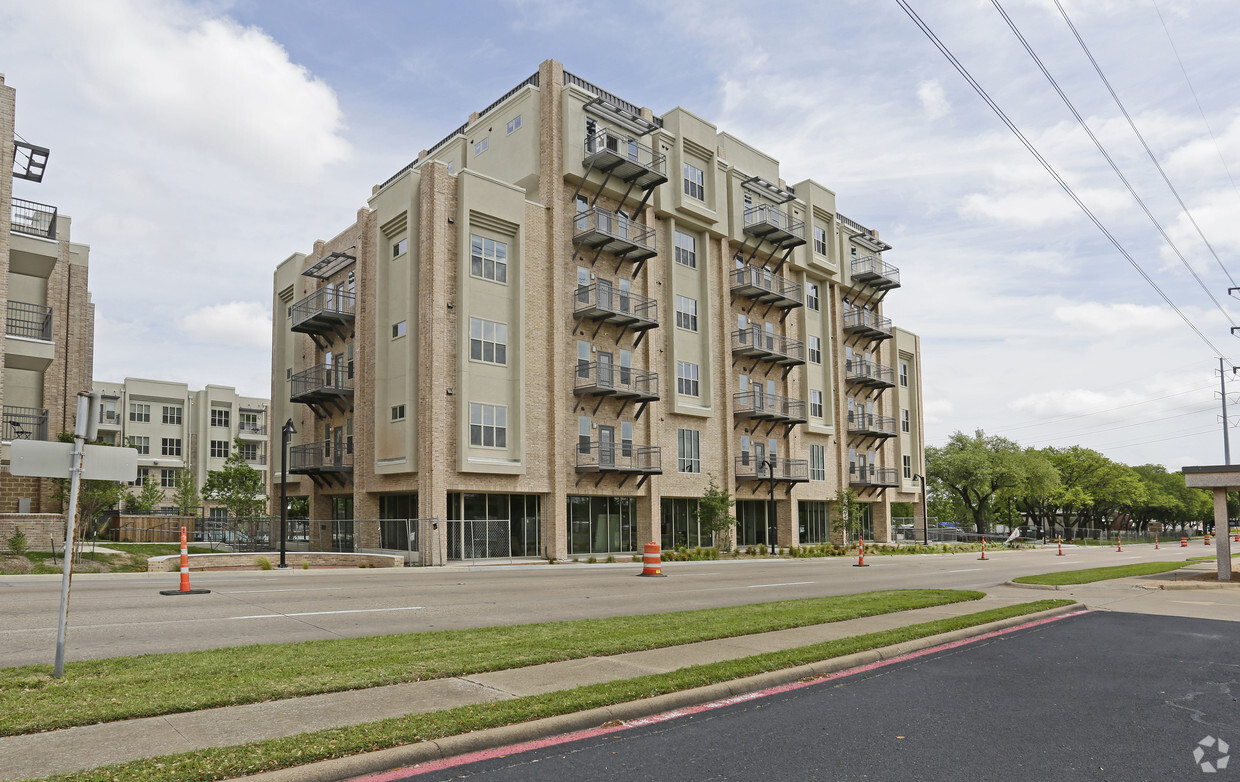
{"points": [[762, 549], [263, 563], [611, 559], [17, 543], [305, 564], [591, 561]]}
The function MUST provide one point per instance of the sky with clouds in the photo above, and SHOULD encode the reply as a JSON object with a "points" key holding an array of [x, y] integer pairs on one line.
{"points": [[198, 144]]}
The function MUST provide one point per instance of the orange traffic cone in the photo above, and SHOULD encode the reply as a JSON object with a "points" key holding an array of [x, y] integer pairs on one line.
{"points": [[861, 552], [983, 556], [652, 561], [1060, 541], [1119, 543], [184, 590]]}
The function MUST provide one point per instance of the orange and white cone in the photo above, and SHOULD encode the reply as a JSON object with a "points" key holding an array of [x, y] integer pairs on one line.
{"points": [[1060, 554], [185, 589], [1119, 544], [652, 561], [983, 556]]}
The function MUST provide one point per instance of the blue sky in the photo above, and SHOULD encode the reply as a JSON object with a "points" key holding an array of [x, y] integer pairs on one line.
{"points": [[198, 144]]}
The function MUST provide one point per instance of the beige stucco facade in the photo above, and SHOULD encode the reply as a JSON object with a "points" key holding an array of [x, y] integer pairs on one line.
{"points": [[570, 315]]}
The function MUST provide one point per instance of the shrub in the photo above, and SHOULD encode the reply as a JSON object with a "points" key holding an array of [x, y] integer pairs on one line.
{"points": [[17, 543], [263, 563], [611, 559], [305, 564], [591, 561], [762, 549]]}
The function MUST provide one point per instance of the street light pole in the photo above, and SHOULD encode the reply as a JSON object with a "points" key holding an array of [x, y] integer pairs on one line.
{"points": [[285, 433]]}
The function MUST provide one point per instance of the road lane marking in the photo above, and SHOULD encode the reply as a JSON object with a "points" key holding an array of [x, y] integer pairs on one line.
{"points": [[323, 613], [966, 570], [790, 583], [254, 591]]}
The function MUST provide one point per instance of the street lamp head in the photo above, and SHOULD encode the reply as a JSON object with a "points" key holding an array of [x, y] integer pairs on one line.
{"points": [[288, 427]]}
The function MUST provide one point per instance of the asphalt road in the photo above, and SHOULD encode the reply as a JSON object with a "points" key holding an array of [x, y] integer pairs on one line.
{"points": [[1078, 698], [124, 614]]}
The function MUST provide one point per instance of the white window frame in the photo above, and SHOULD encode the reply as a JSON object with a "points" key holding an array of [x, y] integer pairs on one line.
{"points": [[171, 415], [488, 337], [400, 248], [815, 349], [141, 444], [904, 374], [399, 329], [170, 446], [820, 240], [811, 296], [167, 478], [481, 146], [815, 403], [219, 449], [139, 413], [908, 466], [398, 412], [817, 462], [488, 423], [905, 421], [488, 259], [686, 249], [514, 124], [695, 182], [688, 451], [687, 378], [686, 313], [220, 418]]}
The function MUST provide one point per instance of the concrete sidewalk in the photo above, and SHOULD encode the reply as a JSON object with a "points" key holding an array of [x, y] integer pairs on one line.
{"points": [[75, 749]]}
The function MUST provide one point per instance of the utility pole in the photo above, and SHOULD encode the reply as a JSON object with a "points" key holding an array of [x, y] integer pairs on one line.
{"points": [[1222, 382]]}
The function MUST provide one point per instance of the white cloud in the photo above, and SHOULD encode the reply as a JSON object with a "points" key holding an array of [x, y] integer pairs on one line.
{"points": [[244, 324], [1098, 318], [933, 99]]}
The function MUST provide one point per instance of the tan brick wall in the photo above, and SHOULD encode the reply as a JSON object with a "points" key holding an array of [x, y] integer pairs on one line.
{"points": [[294, 559], [42, 530]]}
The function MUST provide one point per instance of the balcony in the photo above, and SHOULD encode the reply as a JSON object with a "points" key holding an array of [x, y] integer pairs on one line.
{"points": [[606, 379], [319, 384], [763, 406], [767, 222], [766, 287], [753, 342], [250, 429], [603, 302], [876, 273], [25, 423], [607, 231], [324, 311], [871, 425], [872, 477], [34, 219], [317, 458], [32, 321], [625, 159], [109, 418], [619, 458], [869, 374], [865, 323], [776, 469]]}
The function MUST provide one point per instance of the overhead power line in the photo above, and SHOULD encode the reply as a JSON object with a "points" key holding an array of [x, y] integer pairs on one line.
{"points": [[1100, 412], [1143, 422]]}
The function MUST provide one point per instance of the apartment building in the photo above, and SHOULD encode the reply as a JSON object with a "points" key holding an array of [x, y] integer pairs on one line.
{"points": [[556, 325], [175, 429], [48, 346]]}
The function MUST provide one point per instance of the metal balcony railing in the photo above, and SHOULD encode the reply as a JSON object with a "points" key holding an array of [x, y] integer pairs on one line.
{"points": [[869, 475], [324, 310], [259, 459], [757, 343], [767, 287], [766, 222], [778, 469], [319, 457], [25, 423], [603, 301], [251, 429], [625, 158], [867, 324], [869, 373], [760, 404], [110, 417], [875, 272], [33, 218], [33, 321], [617, 234], [619, 457], [319, 383], [871, 424], [607, 379]]}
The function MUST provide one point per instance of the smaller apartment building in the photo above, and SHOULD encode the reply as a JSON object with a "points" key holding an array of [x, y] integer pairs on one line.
{"points": [[175, 429]]}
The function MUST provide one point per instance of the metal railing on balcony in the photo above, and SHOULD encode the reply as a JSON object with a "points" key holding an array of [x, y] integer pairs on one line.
{"points": [[869, 475], [760, 404], [619, 457], [757, 343], [607, 379], [110, 417], [249, 428], [259, 459], [867, 324], [778, 469], [766, 222], [603, 301], [33, 218], [322, 456], [33, 321], [600, 229], [875, 272], [869, 373], [25, 423], [319, 383], [325, 309], [767, 287], [871, 424], [625, 158]]}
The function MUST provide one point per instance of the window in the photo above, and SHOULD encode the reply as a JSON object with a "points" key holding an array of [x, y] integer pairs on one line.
{"points": [[488, 259], [219, 449], [142, 444], [514, 123], [488, 425], [695, 182], [686, 313], [817, 462], [815, 349], [904, 374], [398, 329], [249, 452], [248, 422], [583, 435], [688, 455], [144, 474], [171, 446], [905, 424], [820, 240], [348, 435], [167, 478], [488, 341], [139, 413], [398, 412], [815, 403], [220, 418], [686, 250], [908, 467], [811, 295], [686, 378], [172, 414], [481, 146], [400, 247]]}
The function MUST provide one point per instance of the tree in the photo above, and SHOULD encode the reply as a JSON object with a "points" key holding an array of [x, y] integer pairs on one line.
{"points": [[94, 497], [849, 513], [186, 496], [977, 469], [147, 500], [714, 514], [238, 486]]}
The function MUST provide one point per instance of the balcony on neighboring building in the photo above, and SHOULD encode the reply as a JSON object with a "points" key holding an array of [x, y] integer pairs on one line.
{"points": [[780, 229], [876, 273], [318, 458], [870, 374], [778, 469], [32, 321], [754, 342], [765, 286], [604, 302], [250, 429], [597, 457], [763, 406], [327, 310], [624, 158], [617, 234], [35, 219], [109, 417], [871, 425], [320, 384], [25, 423], [872, 477], [607, 379], [867, 324]]}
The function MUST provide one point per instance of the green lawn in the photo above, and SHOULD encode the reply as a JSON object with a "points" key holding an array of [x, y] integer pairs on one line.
{"points": [[120, 688], [1090, 575]]}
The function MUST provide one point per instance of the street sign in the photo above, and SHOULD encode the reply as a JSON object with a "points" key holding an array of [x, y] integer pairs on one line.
{"points": [[39, 459]]}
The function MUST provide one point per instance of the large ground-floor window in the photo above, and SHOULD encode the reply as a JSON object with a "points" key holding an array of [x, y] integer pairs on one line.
{"points": [[494, 525], [813, 522], [602, 525], [398, 528], [679, 523], [753, 523], [342, 523]]}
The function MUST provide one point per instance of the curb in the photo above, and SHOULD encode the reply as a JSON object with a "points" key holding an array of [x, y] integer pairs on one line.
{"points": [[379, 761], [1048, 587], [1192, 585]]}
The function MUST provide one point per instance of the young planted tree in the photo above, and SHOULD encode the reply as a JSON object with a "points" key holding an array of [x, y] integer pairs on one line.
{"points": [[185, 493], [848, 512], [238, 486], [714, 514], [147, 500]]}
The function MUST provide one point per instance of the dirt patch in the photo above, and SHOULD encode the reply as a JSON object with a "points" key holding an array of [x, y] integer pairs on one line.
{"points": [[15, 565], [1235, 577]]}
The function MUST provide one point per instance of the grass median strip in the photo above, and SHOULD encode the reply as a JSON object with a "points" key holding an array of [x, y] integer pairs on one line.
{"points": [[120, 688], [1090, 575], [255, 757]]}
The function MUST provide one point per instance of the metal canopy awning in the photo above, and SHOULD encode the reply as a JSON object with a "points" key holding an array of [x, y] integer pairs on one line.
{"points": [[29, 160], [769, 189], [329, 265], [633, 123]]}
